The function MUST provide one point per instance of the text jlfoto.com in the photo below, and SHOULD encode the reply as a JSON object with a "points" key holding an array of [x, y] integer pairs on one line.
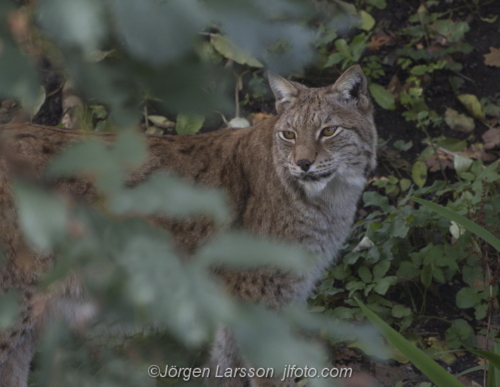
{"points": [[290, 371]]}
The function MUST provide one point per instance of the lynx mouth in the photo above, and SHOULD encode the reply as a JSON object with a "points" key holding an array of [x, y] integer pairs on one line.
{"points": [[316, 177]]}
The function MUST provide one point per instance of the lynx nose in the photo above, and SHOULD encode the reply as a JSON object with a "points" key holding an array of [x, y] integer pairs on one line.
{"points": [[304, 164]]}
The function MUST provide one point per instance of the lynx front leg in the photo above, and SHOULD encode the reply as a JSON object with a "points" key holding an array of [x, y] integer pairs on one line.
{"points": [[225, 357], [14, 371]]}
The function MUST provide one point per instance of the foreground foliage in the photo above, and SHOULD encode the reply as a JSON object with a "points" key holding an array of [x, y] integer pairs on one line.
{"points": [[169, 65]]}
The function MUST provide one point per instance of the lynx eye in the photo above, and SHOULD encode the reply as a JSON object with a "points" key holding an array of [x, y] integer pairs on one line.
{"points": [[288, 135], [329, 132]]}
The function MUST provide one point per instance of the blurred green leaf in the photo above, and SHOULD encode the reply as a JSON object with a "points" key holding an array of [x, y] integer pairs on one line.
{"points": [[242, 251], [227, 49], [76, 23], [158, 31], [43, 217], [18, 77], [172, 196]]}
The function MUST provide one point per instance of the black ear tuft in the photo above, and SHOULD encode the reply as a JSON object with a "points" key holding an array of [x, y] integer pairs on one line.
{"points": [[352, 87], [284, 91]]}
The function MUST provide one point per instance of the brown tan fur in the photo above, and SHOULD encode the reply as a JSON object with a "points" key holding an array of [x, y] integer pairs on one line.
{"points": [[303, 191]]}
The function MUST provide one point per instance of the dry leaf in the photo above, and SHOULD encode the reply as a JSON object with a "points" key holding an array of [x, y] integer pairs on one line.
{"points": [[491, 138], [485, 343], [394, 86], [72, 105], [495, 121], [443, 159], [493, 57], [161, 122], [153, 129], [376, 42], [477, 152], [457, 121]]}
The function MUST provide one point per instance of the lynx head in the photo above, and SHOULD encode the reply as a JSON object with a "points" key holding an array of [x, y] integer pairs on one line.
{"points": [[324, 134]]}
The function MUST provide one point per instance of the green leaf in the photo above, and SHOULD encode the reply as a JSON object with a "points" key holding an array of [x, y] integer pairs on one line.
{"points": [[452, 144], [380, 4], [347, 7], [408, 270], [371, 198], [367, 21], [493, 372], [420, 70], [404, 184], [472, 105], [384, 284], [461, 163], [481, 311], [383, 97], [426, 275], [402, 145], [460, 333], [419, 173], [365, 274], [453, 31], [467, 298], [226, 48], [334, 59], [400, 311], [380, 269], [189, 124], [352, 286], [493, 358], [422, 361], [463, 221]]}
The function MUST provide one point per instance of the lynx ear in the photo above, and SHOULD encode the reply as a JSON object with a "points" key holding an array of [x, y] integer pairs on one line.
{"points": [[352, 88], [284, 91]]}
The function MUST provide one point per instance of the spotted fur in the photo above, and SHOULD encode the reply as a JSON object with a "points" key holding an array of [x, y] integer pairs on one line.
{"points": [[302, 191]]}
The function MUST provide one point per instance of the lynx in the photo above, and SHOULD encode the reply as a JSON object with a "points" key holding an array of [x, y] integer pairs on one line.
{"points": [[295, 178]]}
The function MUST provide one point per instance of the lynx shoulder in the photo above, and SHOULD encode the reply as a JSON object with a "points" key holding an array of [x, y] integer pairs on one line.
{"points": [[295, 178]]}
